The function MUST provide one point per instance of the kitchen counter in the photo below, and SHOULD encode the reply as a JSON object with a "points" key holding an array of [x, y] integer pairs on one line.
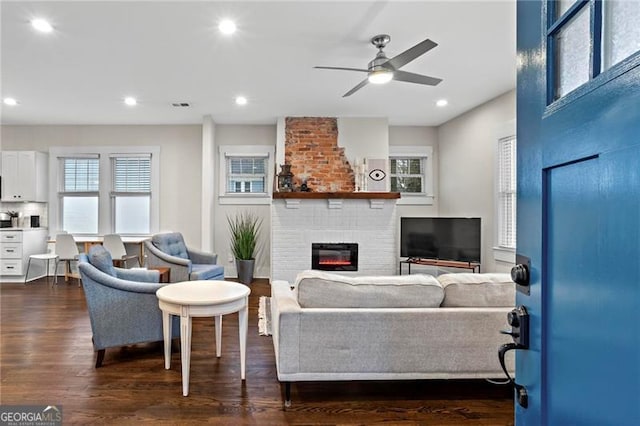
{"points": [[23, 229]]}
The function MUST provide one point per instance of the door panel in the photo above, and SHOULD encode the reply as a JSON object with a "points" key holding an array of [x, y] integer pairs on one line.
{"points": [[588, 325], [578, 220]]}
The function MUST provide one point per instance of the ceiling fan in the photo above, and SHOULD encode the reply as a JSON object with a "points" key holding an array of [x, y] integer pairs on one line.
{"points": [[382, 69]]}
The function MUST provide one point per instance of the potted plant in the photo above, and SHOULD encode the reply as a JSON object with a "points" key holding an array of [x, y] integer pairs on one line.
{"points": [[244, 229]]}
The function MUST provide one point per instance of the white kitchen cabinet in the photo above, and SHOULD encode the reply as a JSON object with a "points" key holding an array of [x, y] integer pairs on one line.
{"points": [[16, 245], [24, 176]]}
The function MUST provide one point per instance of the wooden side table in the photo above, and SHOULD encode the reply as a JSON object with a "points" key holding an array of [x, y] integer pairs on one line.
{"points": [[165, 273]]}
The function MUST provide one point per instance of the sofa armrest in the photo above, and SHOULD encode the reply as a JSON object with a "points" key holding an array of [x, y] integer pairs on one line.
{"points": [[285, 325], [202, 257], [141, 275]]}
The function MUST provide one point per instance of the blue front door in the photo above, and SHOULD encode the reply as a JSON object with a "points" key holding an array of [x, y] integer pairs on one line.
{"points": [[579, 212]]}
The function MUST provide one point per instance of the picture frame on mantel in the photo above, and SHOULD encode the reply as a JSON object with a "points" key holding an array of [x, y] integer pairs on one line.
{"points": [[377, 175]]}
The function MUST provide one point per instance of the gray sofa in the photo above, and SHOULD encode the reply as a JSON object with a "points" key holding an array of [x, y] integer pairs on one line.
{"points": [[333, 327]]}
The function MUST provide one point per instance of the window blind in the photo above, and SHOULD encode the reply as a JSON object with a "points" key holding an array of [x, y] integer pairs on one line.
{"points": [[132, 174], [507, 192], [81, 174], [246, 174]]}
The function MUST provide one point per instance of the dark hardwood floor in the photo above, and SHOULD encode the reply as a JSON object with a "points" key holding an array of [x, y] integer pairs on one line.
{"points": [[46, 357]]}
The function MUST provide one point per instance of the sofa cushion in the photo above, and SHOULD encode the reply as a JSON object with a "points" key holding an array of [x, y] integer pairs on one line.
{"points": [[171, 243], [478, 290], [101, 259], [317, 289]]}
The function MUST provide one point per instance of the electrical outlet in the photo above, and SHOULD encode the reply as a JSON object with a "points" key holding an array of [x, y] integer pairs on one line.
{"points": [[230, 259]]}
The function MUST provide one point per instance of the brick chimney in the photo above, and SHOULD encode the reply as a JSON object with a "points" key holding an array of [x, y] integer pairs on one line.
{"points": [[311, 147]]}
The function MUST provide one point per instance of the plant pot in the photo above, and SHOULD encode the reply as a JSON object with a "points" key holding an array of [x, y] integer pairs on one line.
{"points": [[245, 270]]}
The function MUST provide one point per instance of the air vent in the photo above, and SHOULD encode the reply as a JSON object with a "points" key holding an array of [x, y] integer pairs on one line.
{"points": [[180, 104]]}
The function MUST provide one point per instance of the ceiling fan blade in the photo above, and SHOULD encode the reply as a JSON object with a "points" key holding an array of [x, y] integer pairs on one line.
{"points": [[342, 69], [358, 87], [410, 54], [415, 78]]}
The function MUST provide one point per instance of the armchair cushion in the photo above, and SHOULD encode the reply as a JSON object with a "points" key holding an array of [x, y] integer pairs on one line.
{"points": [[206, 272], [101, 259], [140, 275], [171, 243]]}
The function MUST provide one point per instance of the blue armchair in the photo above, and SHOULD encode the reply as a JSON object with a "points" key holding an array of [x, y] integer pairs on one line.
{"points": [[122, 303], [187, 264]]}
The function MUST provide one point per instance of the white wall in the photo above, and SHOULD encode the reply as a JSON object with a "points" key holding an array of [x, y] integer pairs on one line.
{"points": [[242, 135], [467, 168], [418, 136], [180, 162], [364, 138]]}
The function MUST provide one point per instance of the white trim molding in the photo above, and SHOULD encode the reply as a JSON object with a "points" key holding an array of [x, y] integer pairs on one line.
{"points": [[265, 151], [426, 152]]}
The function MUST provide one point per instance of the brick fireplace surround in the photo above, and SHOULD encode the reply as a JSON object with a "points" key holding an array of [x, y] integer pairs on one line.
{"points": [[311, 147], [332, 212]]}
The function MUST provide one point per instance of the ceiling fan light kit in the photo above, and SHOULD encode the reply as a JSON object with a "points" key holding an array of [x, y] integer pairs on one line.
{"points": [[380, 76], [382, 70]]}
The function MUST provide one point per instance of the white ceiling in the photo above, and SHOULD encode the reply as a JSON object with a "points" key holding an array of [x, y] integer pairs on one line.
{"points": [[164, 52]]}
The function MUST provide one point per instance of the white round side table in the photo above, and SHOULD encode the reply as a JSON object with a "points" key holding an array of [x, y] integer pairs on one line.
{"points": [[190, 299]]}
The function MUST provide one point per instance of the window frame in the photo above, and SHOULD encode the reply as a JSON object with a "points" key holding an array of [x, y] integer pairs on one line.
{"points": [[114, 195], [61, 193], [105, 208], [255, 151], [425, 153], [597, 76], [502, 253]]}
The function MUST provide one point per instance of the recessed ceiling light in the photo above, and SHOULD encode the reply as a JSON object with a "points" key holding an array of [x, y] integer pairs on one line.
{"points": [[10, 101], [130, 101], [241, 100], [227, 26], [442, 102], [41, 25]]}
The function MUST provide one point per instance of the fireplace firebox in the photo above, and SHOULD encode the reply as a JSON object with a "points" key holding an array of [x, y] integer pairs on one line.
{"points": [[334, 256]]}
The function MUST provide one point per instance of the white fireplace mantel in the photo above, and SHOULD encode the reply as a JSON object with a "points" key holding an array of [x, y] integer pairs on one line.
{"points": [[296, 222]]}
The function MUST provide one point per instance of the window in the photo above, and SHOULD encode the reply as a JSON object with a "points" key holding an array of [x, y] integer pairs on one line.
{"points": [[131, 194], [506, 197], [407, 175], [104, 190], [246, 174], [411, 173], [586, 38], [79, 194]]}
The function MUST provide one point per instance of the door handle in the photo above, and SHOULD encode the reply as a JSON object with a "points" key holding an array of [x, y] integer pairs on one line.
{"points": [[518, 319], [521, 274]]}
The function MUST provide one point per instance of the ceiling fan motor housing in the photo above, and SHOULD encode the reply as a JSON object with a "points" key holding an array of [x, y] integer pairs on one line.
{"points": [[377, 63], [381, 40]]}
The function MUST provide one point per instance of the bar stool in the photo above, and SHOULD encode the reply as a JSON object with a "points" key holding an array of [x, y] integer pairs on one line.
{"points": [[47, 257]]}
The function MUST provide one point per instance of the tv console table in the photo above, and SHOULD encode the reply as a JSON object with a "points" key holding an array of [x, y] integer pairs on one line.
{"points": [[475, 267]]}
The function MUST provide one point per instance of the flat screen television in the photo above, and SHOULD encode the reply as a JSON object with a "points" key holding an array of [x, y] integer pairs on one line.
{"points": [[444, 238]]}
